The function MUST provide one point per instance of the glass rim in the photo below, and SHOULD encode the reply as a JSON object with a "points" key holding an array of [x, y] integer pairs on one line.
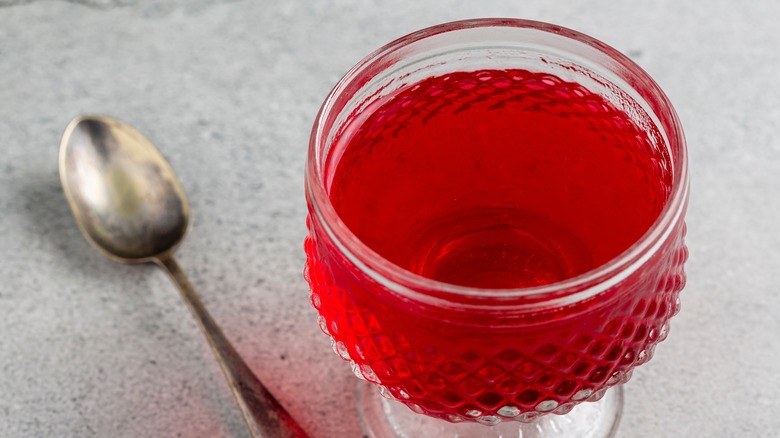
{"points": [[566, 291]]}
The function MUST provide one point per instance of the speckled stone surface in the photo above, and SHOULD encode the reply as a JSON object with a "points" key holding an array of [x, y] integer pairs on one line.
{"points": [[228, 90]]}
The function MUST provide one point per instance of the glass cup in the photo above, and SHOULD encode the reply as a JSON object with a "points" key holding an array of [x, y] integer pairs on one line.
{"points": [[492, 362]]}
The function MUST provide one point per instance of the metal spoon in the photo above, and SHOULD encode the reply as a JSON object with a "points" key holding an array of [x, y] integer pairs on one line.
{"points": [[130, 206]]}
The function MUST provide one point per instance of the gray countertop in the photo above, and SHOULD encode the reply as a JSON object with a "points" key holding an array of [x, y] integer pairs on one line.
{"points": [[228, 90]]}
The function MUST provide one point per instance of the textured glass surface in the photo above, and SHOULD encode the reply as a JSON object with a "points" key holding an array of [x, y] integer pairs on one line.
{"points": [[541, 364]]}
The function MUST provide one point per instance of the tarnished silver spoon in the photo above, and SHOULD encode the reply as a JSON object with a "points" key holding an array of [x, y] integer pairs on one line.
{"points": [[130, 206]]}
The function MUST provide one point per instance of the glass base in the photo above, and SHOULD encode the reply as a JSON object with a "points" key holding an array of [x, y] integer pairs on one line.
{"points": [[383, 418]]}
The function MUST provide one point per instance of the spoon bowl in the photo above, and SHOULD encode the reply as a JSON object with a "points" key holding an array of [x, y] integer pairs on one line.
{"points": [[123, 193], [129, 205]]}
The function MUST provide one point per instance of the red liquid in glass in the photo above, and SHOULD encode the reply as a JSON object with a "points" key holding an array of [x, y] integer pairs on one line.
{"points": [[499, 179], [496, 179]]}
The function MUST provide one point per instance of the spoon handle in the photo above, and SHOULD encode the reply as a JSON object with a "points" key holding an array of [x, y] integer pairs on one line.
{"points": [[264, 416]]}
